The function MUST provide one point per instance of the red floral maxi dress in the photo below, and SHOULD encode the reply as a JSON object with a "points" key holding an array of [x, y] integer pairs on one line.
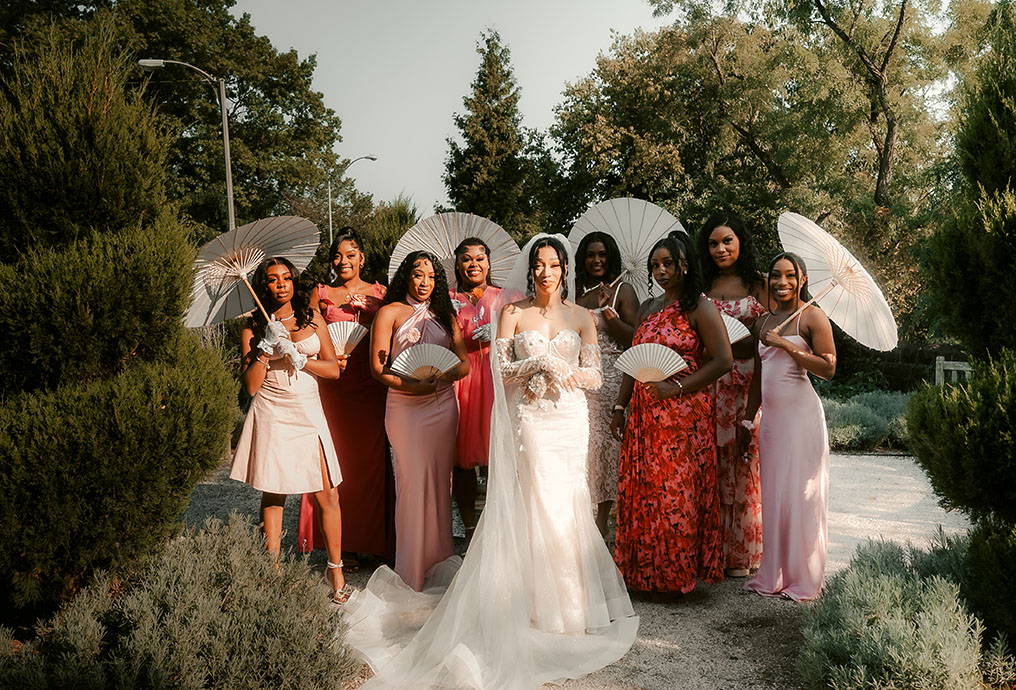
{"points": [[740, 495], [668, 508]]}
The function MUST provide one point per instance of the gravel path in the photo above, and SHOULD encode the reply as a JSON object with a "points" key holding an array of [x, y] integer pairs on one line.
{"points": [[718, 636]]}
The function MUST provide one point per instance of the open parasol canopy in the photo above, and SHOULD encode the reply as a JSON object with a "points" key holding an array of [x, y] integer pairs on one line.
{"points": [[441, 233], [840, 285], [635, 225], [221, 288]]}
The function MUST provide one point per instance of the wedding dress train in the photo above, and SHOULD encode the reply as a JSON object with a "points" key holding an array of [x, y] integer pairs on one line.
{"points": [[537, 597]]}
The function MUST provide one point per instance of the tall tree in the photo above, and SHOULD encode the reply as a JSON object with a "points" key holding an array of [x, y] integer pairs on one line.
{"points": [[281, 134], [487, 173]]}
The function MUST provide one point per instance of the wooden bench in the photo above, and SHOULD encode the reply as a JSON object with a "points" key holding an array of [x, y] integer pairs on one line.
{"points": [[950, 372]]}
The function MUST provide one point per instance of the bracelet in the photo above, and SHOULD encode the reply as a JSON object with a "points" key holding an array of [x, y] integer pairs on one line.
{"points": [[680, 387], [264, 361], [618, 408], [748, 424]]}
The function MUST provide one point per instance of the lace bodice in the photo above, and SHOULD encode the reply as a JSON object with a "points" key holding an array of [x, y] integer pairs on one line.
{"points": [[542, 364]]}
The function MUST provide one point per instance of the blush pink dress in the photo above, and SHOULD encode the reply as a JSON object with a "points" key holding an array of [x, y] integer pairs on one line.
{"points": [[794, 458], [279, 450], [476, 391], [354, 406], [421, 429]]}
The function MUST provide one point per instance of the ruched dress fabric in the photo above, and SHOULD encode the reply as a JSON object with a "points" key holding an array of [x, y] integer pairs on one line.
{"points": [[421, 429], [794, 458], [476, 390], [537, 598], [740, 493], [279, 450], [354, 406], [668, 508], [604, 449]]}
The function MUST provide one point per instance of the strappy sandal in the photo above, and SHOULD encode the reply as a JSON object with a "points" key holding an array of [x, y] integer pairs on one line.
{"points": [[339, 596]]}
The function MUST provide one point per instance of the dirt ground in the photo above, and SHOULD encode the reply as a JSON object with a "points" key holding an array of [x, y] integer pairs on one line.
{"points": [[718, 636]]}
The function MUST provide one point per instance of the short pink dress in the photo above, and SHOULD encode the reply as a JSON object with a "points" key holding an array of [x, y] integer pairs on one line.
{"points": [[475, 392], [421, 429], [354, 406], [279, 450]]}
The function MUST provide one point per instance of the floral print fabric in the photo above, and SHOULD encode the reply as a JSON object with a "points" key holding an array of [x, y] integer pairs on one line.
{"points": [[668, 519], [740, 495]]}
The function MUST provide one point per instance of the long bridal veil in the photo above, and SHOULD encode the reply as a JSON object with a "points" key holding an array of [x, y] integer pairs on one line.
{"points": [[471, 626]]}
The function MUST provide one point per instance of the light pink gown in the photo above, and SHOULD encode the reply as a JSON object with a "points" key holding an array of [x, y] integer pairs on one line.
{"points": [[279, 451], [794, 460], [421, 430]]}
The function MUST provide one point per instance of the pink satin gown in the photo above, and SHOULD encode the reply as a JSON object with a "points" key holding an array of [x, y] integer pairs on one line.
{"points": [[354, 406], [794, 459], [421, 429]]}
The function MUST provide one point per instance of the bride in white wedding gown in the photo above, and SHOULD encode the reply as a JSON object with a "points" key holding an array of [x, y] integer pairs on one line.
{"points": [[537, 597]]}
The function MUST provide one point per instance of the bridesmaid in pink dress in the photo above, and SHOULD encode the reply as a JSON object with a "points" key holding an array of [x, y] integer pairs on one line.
{"points": [[285, 447], [736, 287], [421, 416], [355, 406], [793, 443], [477, 300]]}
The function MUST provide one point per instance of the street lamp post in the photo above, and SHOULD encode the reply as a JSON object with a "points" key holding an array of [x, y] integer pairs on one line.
{"points": [[220, 85], [341, 172]]}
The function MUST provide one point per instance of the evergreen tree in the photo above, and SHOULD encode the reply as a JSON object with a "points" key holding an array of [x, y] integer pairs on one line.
{"points": [[489, 174], [110, 412]]}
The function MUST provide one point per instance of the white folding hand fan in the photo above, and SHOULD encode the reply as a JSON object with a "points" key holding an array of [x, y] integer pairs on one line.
{"points": [[735, 329], [424, 360], [345, 335], [650, 362]]}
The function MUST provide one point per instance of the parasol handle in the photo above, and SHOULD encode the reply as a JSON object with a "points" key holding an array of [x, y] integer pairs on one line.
{"points": [[243, 277], [804, 306], [613, 302]]}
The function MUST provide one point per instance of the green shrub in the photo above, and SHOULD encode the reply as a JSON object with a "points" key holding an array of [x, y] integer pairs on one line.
{"points": [[964, 436], [78, 151], [102, 303], [867, 421], [882, 623], [211, 611], [989, 587], [95, 474]]}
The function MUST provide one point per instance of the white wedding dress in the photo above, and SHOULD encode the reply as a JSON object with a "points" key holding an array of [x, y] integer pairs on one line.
{"points": [[537, 597]]}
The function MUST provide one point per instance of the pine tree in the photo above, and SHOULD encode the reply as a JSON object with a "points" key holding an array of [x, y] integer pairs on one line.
{"points": [[489, 174]]}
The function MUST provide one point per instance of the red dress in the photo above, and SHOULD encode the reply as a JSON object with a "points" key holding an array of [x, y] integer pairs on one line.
{"points": [[668, 508], [354, 406], [476, 391], [740, 495]]}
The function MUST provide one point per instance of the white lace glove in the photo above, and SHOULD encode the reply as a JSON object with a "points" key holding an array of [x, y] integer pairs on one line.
{"points": [[482, 333], [275, 332], [297, 358]]}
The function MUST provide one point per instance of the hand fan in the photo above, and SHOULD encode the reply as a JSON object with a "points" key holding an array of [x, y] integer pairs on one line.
{"points": [[346, 335], [650, 362], [735, 329], [424, 360]]}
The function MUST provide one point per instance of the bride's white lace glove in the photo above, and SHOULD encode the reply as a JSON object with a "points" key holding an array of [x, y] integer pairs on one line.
{"points": [[539, 373], [588, 374]]}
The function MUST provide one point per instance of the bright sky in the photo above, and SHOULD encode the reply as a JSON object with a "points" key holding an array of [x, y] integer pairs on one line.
{"points": [[396, 71]]}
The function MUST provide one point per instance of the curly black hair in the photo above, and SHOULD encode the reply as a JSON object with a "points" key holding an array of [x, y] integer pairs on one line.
{"points": [[747, 258], [345, 233], [613, 258], [461, 249], [679, 245], [802, 273], [562, 255], [300, 299], [440, 300]]}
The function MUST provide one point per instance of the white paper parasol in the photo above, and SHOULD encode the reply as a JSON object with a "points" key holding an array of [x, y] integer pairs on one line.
{"points": [[440, 234], [840, 285], [221, 290], [635, 225]]}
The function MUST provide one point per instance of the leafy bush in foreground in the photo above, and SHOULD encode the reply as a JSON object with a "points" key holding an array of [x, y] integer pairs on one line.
{"points": [[211, 611], [867, 421], [894, 619]]}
